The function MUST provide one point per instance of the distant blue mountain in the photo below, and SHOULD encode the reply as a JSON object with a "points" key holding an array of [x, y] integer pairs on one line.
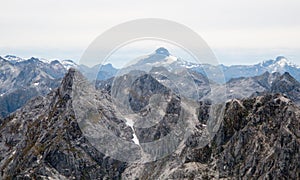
{"points": [[162, 57], [280, 64], [106, 71], [21, 79]]}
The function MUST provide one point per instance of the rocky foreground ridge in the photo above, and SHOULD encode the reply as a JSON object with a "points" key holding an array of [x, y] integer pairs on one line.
{"points": [[258, 137]]}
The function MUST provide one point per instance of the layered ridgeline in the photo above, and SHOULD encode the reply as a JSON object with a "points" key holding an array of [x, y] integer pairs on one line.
{"points": [[162, 57], [153, 119], [257, 137], [246, 81], [22, 79]]}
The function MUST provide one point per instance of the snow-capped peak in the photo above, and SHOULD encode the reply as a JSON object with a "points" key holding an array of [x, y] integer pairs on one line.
{"points": [[162, 57], [13, 58], [282, 61], [16, 59], [279, 64], [44, 60], [168, 60], [68, 64]]}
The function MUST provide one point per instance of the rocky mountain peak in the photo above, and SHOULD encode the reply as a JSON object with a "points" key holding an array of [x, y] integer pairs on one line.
{"points": [[279, 62], [257, 138], [33, 59], [288, 85], [280, 58], [162, 51], [67, 82], [289, 77], [43, 139], [13, 58]]}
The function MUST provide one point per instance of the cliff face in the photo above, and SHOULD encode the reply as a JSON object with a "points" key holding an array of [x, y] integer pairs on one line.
{"points": [[257, 138], [260, 139], [43, 139]]}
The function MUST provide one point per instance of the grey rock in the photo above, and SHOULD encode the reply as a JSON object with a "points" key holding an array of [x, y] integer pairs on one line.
{"points": [[258, 138], [43, 140]]}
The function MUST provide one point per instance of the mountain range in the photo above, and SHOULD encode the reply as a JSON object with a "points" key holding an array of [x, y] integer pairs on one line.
{"points": [[258, 138], [162, 57], [160, 117], [23, 79]]}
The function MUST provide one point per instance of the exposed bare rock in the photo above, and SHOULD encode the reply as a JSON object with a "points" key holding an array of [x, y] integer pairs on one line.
{"points": [[259, 138], [43, 140]]}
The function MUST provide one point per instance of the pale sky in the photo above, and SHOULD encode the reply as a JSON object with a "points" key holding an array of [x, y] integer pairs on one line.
{"points": [[238, 31]]}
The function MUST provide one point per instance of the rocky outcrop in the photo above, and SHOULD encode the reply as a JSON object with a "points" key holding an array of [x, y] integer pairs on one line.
{"points": [[43, 140], [264, 84], [259, 138], [288, 86]]}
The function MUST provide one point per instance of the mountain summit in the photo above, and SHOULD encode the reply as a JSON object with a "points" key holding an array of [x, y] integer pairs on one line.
{"points": [[47, 141], [162, 51], [160, 57]]}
